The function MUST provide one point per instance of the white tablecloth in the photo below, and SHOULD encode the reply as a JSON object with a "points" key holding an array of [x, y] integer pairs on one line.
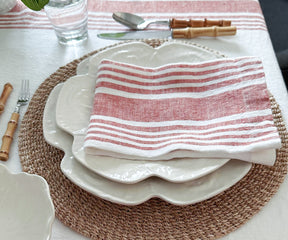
{"points": [[29, 49]]}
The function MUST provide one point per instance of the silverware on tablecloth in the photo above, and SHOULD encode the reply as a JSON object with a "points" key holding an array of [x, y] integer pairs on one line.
{"points": [[174, 33], [138, 23], [7, 139], [4, 96]]}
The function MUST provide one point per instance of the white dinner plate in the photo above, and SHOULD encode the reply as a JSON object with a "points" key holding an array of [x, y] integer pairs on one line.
{"points": [[26, 208], [77, 95], [132, 194]]}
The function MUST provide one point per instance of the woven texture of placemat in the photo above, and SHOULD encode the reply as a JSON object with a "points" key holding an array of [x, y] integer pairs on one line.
{"points": [[96, 218]]}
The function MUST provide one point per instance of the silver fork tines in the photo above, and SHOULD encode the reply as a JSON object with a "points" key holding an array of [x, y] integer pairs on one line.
{"points": [[24, 95]]}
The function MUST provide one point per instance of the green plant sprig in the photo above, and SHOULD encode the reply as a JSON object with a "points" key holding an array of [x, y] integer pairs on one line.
{"points": [[35, 5]]}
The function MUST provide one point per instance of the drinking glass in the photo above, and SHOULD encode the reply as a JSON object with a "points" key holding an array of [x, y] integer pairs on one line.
{"points": [[69, 19]]}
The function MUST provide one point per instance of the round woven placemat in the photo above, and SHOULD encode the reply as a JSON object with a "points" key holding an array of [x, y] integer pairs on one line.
{"points": [[155, 219]]}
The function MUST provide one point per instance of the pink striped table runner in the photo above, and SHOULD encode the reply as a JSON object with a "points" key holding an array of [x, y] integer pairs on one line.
{"points": [[215, 108], [245, 14]]}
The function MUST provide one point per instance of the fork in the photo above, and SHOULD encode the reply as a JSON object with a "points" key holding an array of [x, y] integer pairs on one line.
{"points": [[23, 99]]}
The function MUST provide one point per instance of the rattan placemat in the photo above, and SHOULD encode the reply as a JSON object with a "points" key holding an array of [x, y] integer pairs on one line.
{"points": [[155, 219]]}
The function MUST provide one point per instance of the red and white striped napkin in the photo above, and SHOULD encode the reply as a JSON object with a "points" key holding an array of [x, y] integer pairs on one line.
{"points": [[218, 109]]}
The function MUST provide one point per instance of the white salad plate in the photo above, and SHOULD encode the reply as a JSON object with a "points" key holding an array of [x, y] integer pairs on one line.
{"points": [[76, 99], [73, 109], [26, 208], [185, 193], [141, 54]]}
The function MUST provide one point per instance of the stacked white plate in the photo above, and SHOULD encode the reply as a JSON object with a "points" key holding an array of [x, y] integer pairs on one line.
{"points": [[131, 182]]}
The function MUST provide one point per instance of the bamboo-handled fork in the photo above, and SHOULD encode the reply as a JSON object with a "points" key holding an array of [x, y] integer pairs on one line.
{"points": [[13, 122]]}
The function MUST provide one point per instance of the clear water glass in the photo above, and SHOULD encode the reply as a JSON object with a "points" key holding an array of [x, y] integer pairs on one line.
{"points": [[69, 19]]}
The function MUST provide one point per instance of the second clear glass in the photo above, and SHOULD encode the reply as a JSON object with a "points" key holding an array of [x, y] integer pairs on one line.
{"points": [[69, 19]]}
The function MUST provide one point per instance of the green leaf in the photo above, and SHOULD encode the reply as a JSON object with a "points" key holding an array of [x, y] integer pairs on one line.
{"points": [[35, 5]]}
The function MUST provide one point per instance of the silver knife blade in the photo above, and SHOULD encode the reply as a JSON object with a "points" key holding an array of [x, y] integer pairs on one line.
{"points": [[136, 35], [174, 33]]}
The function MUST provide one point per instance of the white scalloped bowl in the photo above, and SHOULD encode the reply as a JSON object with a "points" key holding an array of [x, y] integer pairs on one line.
{"points": [[26, 208]]}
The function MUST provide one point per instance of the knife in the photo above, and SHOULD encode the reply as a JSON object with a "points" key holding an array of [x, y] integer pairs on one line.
{"points": [[4, 96], [174, 33]]}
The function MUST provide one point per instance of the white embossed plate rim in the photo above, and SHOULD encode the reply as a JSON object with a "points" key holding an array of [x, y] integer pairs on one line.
{"points": [[186, 193]]}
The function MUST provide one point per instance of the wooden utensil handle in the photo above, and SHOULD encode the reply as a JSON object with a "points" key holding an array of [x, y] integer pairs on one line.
{"points": [[8, 136], [4, 96], [177, 23], [203, 31]]}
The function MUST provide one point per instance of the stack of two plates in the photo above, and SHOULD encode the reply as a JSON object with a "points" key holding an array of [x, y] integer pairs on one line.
{"points": [[131, 182]]}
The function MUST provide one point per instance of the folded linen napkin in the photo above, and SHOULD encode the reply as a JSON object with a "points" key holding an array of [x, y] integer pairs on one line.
{"points": [[218, 108]]}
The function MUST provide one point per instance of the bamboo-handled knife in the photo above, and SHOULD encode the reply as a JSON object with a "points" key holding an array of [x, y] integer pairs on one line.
{"points": [[4, 96], [174, 33]]}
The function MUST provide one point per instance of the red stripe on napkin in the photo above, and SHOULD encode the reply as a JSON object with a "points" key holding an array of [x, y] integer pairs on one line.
{"points": [[178, 108], [191, 126], [157, 145], [173, 82], [173, 133]]}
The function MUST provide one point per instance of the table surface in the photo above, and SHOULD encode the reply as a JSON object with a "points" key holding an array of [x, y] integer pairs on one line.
{"points": [[29, 50]]}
